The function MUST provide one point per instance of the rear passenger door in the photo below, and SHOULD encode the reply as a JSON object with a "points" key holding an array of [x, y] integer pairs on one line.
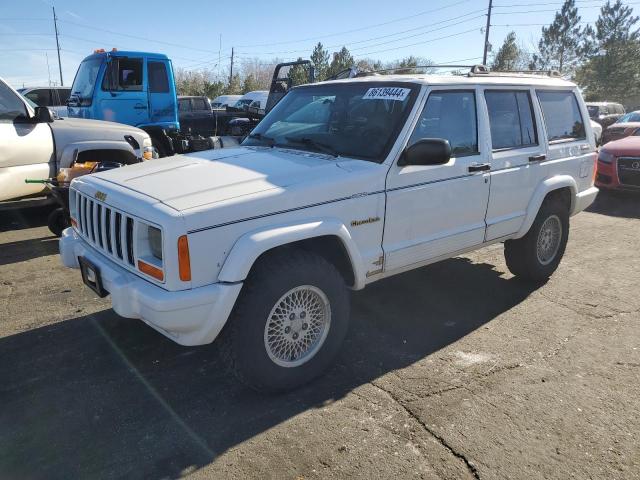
{"points": [[517, 157], [571, 151]]}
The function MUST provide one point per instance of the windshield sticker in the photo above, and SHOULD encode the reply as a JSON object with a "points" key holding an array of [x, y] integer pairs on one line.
{"points": [[387, 93]]}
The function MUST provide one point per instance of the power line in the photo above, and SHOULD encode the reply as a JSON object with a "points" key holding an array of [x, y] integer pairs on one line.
{"points": [[356, 29], [375, 44], [419, 43]]}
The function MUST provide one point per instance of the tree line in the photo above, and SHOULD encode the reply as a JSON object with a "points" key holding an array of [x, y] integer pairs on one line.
{"points": [[603, 59]]}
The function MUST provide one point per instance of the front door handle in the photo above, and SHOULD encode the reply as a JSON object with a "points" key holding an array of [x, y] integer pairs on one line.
{"points": [[537, 158], [139, 106], [479, 167]]}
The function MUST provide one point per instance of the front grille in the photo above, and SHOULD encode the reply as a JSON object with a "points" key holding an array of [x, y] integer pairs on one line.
{"points": [[629, 171], [107, 229]]}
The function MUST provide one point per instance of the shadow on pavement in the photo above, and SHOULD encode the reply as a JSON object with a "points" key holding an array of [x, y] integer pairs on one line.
{"points": [[29, 214], [617, 204], [22, 250], [100, 396]]}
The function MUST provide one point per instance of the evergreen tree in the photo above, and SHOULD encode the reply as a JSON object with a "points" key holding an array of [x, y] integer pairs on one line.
{"points": [[342, 60], [510, 56], [320, 58], [234, 87], [613, 72], [299, 74], [560, 47], [250, 83]]}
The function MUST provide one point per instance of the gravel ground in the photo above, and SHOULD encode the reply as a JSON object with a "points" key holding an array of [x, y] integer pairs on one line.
{"points": [[453, 371]]}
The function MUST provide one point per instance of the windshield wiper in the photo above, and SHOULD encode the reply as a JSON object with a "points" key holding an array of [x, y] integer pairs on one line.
{"points": [[258, 136], [310, 142]]}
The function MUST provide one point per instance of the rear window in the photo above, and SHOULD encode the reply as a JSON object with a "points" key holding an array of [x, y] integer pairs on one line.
{"points": [[510, 119], [158, 81], [562, 116], [199, 104]]}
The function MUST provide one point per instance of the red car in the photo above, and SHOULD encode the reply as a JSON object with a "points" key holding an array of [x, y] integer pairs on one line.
{"points": [[619, 164]]}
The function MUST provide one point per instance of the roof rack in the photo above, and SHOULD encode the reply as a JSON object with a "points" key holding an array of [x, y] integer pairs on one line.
{"points": [[474, 70], [506, 73]]}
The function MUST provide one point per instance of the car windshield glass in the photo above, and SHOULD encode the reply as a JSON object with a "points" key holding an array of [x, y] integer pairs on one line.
{"points": [[85, 79], [629, 117], [359, 120], [29, 101], [242, 102]]}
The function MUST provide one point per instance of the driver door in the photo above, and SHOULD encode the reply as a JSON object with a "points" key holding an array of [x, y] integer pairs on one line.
{"points": [[436, 210]]}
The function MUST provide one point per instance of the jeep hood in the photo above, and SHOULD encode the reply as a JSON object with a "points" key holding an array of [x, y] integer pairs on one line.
{"points": [[190, 181]]}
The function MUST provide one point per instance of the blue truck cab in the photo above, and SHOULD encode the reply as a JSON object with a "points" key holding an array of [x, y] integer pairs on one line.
{"points": [[135, 88]]}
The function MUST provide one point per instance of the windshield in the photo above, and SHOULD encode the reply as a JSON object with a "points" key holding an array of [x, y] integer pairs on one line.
{"points": [[629, 117], [359, 120], [28, 100], [85, 80], [242, 102]]}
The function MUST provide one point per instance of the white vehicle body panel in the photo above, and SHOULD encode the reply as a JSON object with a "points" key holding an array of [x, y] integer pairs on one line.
{"points": [[235, 204]]}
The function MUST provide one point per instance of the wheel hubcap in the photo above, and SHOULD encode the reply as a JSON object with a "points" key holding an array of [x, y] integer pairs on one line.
{"points": [[549, 239], [297, 326]]}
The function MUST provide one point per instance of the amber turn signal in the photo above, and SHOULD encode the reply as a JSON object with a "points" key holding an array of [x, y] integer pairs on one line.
{"points": [[150, 270], [184, 263]]}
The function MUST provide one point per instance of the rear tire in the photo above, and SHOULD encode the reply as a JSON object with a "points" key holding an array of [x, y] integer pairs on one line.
{"points": [[537, 255], [289, 322]]}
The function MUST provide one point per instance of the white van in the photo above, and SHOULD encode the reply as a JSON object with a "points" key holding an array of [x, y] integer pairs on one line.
{"points": [[249, 97], [223, 101]]}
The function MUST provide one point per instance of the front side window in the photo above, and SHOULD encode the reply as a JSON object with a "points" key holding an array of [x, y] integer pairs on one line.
{"points": [[11, 107], [123, 74], [40, 97], [158, 80], [561, 116], [452, 116], [510, 119], [59, 96], [358, 119]]}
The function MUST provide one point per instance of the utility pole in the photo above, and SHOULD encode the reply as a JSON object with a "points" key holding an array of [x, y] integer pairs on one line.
{"points": [[48, 69], [486, 34], [55, 25], [231, 69]]}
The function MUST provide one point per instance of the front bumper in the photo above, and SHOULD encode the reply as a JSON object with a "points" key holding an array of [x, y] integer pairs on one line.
{"points": [[188, 317], [584, 199]]}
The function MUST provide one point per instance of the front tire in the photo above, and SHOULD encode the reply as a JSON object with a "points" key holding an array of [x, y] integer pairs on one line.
{"points": [[537, 255], [57, 221], [289, 322]]}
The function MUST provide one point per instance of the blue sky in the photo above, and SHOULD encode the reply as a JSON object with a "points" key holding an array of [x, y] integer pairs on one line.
{"points": [[190, 31]]}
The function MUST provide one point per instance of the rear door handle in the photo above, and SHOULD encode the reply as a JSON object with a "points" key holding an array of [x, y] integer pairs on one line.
{"points": [[537, 158], [479, 167]]}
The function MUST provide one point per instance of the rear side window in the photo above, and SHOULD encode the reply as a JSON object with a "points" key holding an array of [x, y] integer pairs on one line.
{"points": [[561, 116], [510, 119], [60, 96], [450, 115], [199, 104], [40, 97], [183, 105], [158, 80]]}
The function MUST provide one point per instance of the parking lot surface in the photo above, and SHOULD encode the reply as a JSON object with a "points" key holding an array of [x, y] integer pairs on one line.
{"points": [[456, 370]]}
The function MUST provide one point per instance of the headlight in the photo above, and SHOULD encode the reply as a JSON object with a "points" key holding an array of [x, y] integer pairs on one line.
{"points": [[155, 242], [606, 157]]}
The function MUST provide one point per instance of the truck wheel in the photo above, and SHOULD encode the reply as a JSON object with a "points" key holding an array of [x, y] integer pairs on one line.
{"points": [[57, 222], [537, 255], [289, 322]]}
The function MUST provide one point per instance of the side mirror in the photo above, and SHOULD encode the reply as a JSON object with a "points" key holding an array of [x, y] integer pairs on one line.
{"points": [[428, 151], [44, 115]]}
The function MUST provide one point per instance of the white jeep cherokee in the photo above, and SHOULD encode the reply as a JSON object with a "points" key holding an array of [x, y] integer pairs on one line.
{"points": [[342, 184]]}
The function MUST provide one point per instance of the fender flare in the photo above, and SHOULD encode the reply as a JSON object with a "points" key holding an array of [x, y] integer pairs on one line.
{"points": [[548, 185], [71, 150], [251, 245]]}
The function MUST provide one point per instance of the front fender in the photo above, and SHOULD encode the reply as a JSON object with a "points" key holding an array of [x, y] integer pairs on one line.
{"points": [[548, 185], [70, 152], [251, 245]]}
